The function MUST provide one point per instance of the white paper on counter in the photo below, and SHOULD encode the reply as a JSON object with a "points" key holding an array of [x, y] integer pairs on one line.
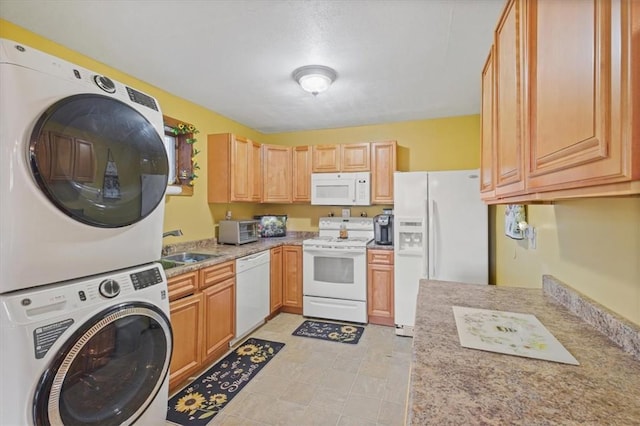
{"points": [[508, 333]]}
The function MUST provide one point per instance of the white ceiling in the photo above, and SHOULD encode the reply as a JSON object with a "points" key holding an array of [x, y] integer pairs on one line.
{"points": [[396, 60]]}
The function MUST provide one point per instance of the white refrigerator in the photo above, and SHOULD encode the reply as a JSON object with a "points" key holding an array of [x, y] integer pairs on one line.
{"points": [[440, 233]]}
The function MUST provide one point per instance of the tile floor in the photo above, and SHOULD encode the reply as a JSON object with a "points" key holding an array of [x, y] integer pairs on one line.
{"points": [[317, 382]]}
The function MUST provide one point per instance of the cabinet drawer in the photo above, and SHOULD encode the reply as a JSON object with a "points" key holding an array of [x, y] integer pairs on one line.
{"points": [[216, 273], [382, 257], [182, 285]]}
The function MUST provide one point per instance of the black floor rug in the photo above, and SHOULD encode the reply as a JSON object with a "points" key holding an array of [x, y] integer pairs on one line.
{"points": [[343, 333], [202, 399]]}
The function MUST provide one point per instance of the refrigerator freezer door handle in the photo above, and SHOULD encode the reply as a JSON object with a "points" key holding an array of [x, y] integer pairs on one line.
{"points": [[433, 238]]}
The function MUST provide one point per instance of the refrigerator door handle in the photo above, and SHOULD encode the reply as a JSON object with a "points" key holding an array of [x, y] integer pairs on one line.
{"points": [[433, 238]]}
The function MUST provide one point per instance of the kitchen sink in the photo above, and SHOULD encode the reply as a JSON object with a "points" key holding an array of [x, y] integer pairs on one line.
{"points": [[188, 257]]}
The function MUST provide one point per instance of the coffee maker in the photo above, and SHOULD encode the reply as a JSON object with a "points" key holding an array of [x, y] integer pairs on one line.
{"points": [[383, 229]]}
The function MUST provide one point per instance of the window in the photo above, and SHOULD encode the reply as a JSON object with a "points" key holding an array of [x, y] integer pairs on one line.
{"points": [[180, 151]]}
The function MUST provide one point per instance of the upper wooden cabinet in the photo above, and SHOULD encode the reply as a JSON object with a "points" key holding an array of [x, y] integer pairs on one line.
{"points": [[325, 158], [579, 117], [301, 181], [355, 157], [487, 184], [383, 165], [234, 169], [276, 174], [509, 113]]}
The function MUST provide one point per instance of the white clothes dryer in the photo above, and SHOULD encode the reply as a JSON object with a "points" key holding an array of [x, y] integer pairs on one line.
{"points": [[94, 351], [83, 171]]}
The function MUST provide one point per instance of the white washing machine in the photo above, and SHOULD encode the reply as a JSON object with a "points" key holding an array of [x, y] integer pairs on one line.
{"points": [[93, 351], [83, 171]]}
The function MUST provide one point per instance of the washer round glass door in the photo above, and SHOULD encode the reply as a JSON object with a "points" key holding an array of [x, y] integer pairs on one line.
{"points": [[109, 371], [99, 160]]}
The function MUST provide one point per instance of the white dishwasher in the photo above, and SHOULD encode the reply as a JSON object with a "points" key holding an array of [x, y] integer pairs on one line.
{"points": [[252, 293]]}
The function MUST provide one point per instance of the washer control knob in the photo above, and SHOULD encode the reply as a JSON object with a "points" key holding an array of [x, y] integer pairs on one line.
{"points": [[105, 83], [109, 288]]}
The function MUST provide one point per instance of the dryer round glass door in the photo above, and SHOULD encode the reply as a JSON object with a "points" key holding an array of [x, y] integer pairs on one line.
{"points": [[99, 160], [109, 371]]}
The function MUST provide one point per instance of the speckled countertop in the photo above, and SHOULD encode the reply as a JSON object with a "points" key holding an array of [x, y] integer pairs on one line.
{"points": [[451, 384], [227, 252]]}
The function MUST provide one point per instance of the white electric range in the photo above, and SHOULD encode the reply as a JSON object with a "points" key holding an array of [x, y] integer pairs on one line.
{"points": [[335, 269]]}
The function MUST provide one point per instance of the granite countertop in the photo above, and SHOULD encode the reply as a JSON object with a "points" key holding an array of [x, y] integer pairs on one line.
{"points": [[451, 384], [227, 252]]}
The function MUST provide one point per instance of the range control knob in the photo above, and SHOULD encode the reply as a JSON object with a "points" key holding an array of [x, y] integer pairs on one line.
{"points": [[105, 83], [109, 288]]}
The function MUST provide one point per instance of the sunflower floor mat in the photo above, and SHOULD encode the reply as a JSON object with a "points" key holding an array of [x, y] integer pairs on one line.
{"points": [[343, 333], [202, 399]]}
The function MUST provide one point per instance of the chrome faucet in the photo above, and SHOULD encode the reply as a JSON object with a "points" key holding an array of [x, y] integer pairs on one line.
{"points": [[175, 233]]}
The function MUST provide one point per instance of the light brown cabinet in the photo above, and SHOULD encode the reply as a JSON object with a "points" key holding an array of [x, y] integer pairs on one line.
{"points": [[186, 322], [487, 185], [276, 174], [219, 318], [234, 169], [292, 279], [579, 64], [380, 287], [275, 280], [202, 309], [325, 158], [509, 155], [301, 180], [383, 165], [355, 157]]}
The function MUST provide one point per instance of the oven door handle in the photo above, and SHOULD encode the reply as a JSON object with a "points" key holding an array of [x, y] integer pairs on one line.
{"points": [[339, 252]]}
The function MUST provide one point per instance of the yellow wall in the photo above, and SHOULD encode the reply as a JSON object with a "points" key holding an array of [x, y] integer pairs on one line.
{"points": [[592, 245]]}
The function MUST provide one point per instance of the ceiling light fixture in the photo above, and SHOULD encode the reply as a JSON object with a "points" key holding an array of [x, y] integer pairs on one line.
{"points": [[314, 78]]}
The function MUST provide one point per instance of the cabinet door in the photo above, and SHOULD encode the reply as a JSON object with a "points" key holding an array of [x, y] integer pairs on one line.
{"points": [[488, 147], [326, 158], [383, 164], [576, 65], [355, 157], [186, 322], [84, 162], [219, 318], [276, 174], [509, 91], [292, 279], [241, 187], [380, 287], [254, 171], [301, 191], [216, 273], [275, 282]]}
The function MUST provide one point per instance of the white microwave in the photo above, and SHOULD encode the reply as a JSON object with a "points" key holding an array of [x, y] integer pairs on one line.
{"points": [[341, 189]]}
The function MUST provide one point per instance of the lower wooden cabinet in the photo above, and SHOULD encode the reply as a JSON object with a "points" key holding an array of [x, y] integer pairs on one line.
{"points": [[186, 322], [219, 318], [275, 288], [380, 287], [292, 279], [202, 309]]}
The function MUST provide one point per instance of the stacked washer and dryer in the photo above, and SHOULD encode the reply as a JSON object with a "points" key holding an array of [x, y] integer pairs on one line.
{"points": [[84, 312]]}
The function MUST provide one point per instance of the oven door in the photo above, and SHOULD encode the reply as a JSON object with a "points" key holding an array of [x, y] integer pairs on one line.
{"points": [[338, 273], [109, 371]]}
